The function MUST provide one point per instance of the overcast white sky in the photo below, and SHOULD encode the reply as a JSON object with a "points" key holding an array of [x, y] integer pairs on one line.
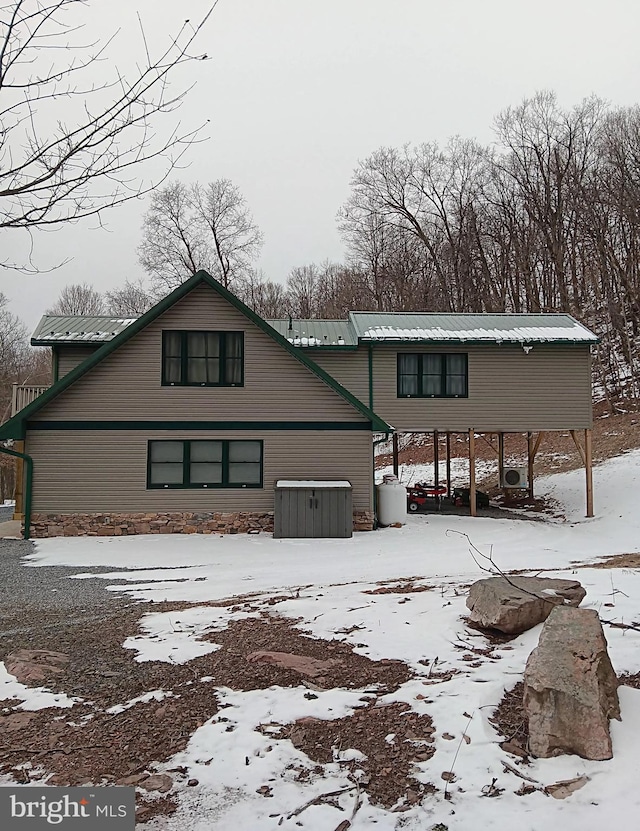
{"points": [[297, 91]]}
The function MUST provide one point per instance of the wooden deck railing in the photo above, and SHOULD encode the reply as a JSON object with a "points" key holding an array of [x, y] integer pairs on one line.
{"points": [[23, 395]]}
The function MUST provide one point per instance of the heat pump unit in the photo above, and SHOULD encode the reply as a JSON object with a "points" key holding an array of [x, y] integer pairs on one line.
{"points": [[514, 477]]}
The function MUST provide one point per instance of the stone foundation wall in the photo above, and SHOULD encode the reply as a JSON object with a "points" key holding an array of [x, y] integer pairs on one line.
{"points": [[118, 525], [363, 520]]}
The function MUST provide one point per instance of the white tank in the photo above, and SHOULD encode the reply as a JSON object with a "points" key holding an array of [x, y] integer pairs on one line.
{"points": [[392, 503]]}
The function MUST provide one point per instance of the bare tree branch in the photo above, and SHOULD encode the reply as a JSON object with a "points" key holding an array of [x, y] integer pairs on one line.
{"points": [[89, 161]]}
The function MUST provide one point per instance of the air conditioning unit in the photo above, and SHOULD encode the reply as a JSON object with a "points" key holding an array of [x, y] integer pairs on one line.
{"points": [[514, 477]]}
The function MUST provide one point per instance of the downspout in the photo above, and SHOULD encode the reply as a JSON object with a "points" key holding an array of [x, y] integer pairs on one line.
{"points": [[28, 487], [371, 376], [55, 364]]}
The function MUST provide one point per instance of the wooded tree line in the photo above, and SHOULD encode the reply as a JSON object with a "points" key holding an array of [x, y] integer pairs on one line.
{"points": [[546, 219]]}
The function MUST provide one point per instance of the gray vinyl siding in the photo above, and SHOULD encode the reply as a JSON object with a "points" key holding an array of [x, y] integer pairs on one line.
{"points": [[509, 390], [100, 471], [349, 368], [70, 356], [127, 384]]}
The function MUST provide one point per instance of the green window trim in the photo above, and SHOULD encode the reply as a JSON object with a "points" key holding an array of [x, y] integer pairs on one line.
{"points": [[227, 447], [434, 375], [178, 358]]}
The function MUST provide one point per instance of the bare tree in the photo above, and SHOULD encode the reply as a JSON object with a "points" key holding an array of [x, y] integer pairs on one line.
{"points": [[302, 291], [132, 300], [265, 297], [89, 162], [193, 227], [78, 299], [172, 247]]}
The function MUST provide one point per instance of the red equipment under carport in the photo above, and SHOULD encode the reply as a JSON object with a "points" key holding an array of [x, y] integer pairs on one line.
{"points": [[421, 495]]}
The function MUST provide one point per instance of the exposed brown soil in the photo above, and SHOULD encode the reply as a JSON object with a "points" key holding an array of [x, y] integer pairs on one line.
{"points": [[402, 588], [85, 744], [393, 738], [510, 720], [630, 680], [616, 561]]}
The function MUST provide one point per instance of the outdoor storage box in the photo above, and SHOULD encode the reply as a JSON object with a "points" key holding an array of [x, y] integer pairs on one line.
{"points": [[310, 508]]}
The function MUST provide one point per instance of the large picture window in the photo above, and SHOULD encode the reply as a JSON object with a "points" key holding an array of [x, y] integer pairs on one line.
{"points": [[432, 375], [204, 464], [203, 359]]}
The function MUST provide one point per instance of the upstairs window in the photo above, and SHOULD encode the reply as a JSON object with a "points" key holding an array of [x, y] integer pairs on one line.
{"points": [[203, 359], [432, 375], [204, 464]]}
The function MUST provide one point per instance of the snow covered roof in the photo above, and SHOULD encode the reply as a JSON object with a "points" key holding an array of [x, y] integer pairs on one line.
{"points": [[78, 329], [491, 328], [315, 332], [311, 483], [361, 326]]}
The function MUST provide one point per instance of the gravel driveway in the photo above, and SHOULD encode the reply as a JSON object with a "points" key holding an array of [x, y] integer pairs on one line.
{"points": [[31, 595]]}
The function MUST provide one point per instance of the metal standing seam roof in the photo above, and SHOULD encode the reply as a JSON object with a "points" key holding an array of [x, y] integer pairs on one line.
{"points": [[492, 328], [316, 332], [366, 326], [79, 329]]}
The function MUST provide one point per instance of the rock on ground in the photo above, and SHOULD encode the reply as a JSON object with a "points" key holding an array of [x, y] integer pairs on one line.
{"points": [[33, 666], [570, 687], [515, 604]]}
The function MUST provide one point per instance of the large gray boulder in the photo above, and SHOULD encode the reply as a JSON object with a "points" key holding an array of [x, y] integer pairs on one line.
{"points": [[514, 604], [570, 688]]}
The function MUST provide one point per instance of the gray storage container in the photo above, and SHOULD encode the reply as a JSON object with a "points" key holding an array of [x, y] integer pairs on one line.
{"points": [[313, 508]]}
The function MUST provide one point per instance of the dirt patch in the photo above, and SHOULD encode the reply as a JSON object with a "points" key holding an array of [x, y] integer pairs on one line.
{"points": [[393, 739], [405, 588], [615, 561], [85, 744], [630, 680], [230, 666], [511, 721]]}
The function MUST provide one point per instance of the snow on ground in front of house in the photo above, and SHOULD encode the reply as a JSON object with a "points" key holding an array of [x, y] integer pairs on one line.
{"points": [[174, 636], [31, 698], [322, 586]]}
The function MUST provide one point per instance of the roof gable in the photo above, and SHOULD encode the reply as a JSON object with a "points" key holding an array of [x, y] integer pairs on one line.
{"points": [[15, 427]]}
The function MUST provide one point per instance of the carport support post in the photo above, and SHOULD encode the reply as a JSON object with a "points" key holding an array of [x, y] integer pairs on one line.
{"points": [[395, 453], [449, 464], [530, 460], [436, 459], [588, 471], [472, 472], [500, 458]]}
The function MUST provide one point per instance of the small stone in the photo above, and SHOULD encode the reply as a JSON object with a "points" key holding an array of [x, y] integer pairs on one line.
{"points": [[192, 783], [134, 779], [564, 788], [514, 749], [157, 782]]}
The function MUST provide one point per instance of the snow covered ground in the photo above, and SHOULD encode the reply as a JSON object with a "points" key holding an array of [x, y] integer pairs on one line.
{"points": [[323, 583]]}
